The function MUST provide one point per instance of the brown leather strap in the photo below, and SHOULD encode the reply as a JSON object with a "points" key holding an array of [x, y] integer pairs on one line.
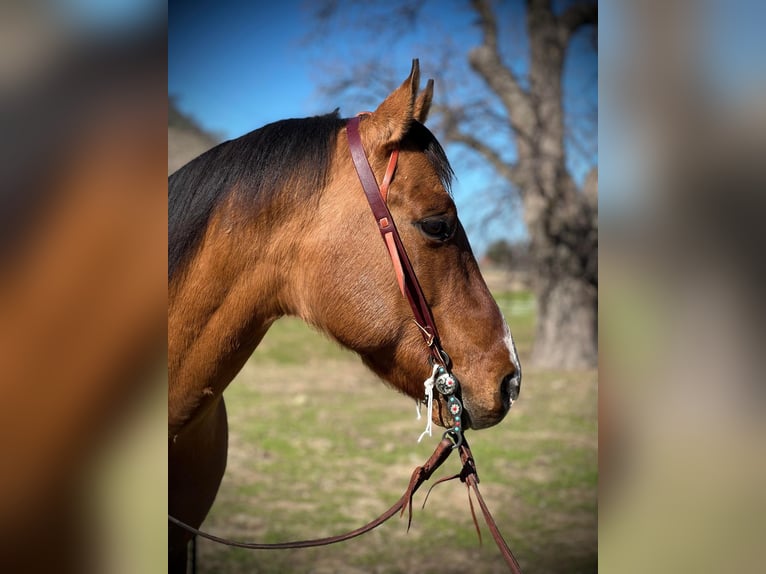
{"points": [[471, 479], [442, 452], [389, 174], [419, 476], [408, 281]]}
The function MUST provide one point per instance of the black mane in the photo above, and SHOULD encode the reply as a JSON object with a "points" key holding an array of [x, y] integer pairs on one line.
{"points": [[298, 151]]}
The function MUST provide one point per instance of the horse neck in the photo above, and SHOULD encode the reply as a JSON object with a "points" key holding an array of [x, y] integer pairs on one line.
{"points": [[223, 302]]}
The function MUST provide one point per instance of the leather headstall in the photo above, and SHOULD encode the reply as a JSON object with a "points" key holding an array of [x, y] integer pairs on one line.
{"points": [[405, 275]]}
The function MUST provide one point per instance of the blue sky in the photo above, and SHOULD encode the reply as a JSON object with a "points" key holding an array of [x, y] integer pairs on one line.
{"points": [[237, 69], [235, 66]]}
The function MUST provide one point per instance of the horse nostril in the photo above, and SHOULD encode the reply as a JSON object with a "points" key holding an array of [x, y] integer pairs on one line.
{"points": [[510, 387]]}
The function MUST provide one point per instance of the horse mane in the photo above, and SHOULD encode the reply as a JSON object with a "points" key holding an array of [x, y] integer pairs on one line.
{"points": [[295, 151]]}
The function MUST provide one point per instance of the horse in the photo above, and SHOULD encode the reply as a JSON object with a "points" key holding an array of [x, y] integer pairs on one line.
{"points": [[274, 224]]}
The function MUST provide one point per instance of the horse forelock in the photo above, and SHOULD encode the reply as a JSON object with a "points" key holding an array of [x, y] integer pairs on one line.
{"points": [[287, 161], [419, 138]]}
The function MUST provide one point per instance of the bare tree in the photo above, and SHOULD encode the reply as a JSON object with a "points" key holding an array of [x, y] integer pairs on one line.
{"points": [[561, 219]]}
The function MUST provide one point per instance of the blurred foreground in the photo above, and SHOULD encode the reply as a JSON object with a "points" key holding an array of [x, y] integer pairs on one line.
{"points": [[82, 282], [683, 132]]}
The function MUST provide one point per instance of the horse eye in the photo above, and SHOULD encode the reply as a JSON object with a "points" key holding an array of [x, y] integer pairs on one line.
{"points": [[438, 228]]}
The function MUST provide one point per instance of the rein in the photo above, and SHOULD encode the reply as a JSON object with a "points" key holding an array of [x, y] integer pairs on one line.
{"points": [[467, 475], [442, 378]]}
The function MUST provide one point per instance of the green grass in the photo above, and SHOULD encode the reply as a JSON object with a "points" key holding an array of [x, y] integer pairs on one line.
{"points": [[291, 342], [318, 446]]}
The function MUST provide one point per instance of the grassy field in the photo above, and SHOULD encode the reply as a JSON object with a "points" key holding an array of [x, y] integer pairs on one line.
{"points": [[319, 446]]}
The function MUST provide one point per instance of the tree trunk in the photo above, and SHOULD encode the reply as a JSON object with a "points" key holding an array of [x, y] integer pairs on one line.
{"points": [[567, 324], [560, 218]]}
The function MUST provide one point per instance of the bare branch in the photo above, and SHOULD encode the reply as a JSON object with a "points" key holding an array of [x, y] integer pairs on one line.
{"points": [[487, 22], [540, 6], [486, 61], [454, 134], [576, 16]]}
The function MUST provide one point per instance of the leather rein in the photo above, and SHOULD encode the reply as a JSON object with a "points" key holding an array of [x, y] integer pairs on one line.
{"points": [[453, 438]]}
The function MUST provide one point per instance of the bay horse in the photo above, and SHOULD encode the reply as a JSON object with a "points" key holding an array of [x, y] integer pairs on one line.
{"points": [[275, 223]]}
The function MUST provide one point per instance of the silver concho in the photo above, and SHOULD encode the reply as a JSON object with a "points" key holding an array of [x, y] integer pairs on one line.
{"points": [[446, 384]]}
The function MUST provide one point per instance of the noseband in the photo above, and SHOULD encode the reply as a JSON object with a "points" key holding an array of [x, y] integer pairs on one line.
{"points": [[446, 383]]}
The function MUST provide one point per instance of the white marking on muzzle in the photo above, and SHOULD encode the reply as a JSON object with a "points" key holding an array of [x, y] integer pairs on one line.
{"points": [[509, 342]]}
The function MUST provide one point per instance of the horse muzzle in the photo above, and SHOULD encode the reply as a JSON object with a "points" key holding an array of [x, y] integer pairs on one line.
{"points": [[483, 410]]}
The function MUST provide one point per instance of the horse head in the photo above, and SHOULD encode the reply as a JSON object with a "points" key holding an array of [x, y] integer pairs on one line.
{"points": [[347, 287]]}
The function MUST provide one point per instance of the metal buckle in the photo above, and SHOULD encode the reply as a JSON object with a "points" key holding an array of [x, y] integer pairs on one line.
{"points": [[455, 437], [428, 334], [446, 361]]}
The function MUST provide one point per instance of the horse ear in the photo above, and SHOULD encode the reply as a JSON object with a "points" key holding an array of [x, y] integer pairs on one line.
{"points": [[393, 117], [423, 103]]}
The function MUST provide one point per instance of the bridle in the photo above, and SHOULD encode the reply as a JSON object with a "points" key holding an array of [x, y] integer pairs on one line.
{"points": [[446, 383]]}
